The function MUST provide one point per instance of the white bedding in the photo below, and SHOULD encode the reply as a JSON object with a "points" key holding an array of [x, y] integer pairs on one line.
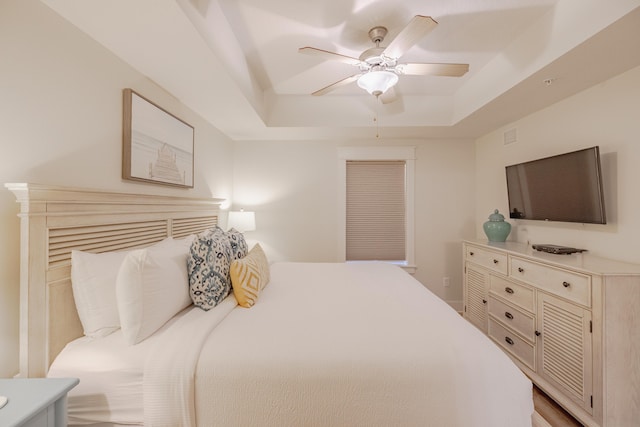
{"points": [[111, 378], [112, 387], [325, 345]]}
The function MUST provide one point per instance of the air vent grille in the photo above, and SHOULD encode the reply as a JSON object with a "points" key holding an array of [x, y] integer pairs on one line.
{"points": [[510, 136]]}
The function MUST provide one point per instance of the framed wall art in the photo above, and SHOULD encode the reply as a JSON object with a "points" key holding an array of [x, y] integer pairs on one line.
{"points": [[157, 146]]}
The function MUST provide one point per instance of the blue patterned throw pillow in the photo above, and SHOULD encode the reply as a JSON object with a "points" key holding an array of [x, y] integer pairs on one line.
{"points": [[239, 248], [208, 267]]}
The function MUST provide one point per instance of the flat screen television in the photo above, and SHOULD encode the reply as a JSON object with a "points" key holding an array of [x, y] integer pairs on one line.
{"points": [[566, 188]]}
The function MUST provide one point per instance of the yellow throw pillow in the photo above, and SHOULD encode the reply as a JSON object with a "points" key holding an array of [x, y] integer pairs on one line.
{"points": [[249, 275]]}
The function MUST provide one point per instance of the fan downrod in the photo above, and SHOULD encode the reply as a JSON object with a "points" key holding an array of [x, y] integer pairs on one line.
{"points": [[372, 56]]}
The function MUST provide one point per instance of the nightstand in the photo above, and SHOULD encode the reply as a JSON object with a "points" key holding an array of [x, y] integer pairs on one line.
{"points": [[35, 402]]}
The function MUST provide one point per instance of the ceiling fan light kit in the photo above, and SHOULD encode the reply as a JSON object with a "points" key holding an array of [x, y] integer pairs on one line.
{"points": [[378, 67], [377, 82]]}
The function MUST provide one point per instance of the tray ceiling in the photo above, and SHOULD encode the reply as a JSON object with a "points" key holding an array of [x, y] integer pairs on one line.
{"points": [[236, 62]]}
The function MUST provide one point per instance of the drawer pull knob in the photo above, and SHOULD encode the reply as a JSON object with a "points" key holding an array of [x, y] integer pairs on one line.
{"points": [[520, 270], [495, 261], [484, 301], [508, 290], [566, 284], [509, 340], [508, 315], [537, 333], [470, 253]]}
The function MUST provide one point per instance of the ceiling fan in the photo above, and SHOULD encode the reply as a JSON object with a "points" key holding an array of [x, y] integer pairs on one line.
{"points": [[378, 67]]}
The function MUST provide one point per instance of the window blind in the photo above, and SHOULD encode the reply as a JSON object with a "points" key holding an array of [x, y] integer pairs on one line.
{"points": [[375, 211]]}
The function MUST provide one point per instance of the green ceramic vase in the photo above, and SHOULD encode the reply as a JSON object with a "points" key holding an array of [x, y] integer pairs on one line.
{"points": [[496, 229]]}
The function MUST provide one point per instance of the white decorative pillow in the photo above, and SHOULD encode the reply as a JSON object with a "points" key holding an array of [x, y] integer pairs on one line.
{"points": [[185, 241], [93, 280], [152, 286], [208, 266]]}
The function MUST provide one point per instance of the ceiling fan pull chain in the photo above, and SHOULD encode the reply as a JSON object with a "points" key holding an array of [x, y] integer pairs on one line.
{"points": [[376, 118]]}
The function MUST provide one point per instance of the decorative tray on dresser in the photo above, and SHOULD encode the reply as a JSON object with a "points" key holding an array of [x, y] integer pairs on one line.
{"points": [[570, 322]]}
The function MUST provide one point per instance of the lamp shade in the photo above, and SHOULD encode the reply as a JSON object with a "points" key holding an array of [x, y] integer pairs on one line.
{"points": [[241, 221], [377, 82]]}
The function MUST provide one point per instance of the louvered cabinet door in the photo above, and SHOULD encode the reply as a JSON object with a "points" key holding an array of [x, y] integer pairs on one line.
{"points": [[564, 348], [475, 296]]}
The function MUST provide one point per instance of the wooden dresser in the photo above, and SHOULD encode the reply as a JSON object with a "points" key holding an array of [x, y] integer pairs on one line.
{"points": [[570, 322]]}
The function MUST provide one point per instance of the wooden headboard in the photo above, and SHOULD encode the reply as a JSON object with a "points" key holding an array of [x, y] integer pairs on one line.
{"points": [[55, 220]]}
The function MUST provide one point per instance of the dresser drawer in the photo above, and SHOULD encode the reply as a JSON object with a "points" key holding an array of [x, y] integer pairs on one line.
{"points": [[572, 286], [488, 259], [511, 342], [515, 293], [516, 319]]}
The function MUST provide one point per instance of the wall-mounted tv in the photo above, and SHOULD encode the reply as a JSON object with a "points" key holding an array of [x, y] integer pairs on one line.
{"points": [[566, 187]]}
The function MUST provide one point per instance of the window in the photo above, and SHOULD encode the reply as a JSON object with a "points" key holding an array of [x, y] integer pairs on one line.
{"points": [[375, 210], [377, 204]]}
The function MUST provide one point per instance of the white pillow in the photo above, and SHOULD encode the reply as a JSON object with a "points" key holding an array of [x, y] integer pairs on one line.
{"points": [[93, 280], [152, 286]]}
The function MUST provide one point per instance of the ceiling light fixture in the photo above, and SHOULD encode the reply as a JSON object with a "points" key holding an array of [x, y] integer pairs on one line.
{"points": [[377, 82]]}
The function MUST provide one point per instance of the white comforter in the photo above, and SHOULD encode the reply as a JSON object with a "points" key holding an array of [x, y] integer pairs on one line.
{"points": [[334, 345]]}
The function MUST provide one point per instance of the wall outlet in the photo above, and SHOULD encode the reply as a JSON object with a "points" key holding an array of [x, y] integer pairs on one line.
{"points": [[445, 282]]}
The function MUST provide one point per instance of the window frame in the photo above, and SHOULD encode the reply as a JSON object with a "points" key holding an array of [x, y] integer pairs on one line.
{"points": [[406, 154]]}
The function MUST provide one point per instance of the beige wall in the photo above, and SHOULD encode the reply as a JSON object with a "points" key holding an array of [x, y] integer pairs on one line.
{"points": [[293, 187], [61, 124], [607, 115]]}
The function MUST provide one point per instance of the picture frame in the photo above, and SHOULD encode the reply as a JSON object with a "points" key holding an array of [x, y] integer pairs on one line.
{"points": [[157, 147]]}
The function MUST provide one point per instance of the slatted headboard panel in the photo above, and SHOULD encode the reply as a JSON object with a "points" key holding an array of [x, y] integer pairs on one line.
{"points": [[56, 220]]}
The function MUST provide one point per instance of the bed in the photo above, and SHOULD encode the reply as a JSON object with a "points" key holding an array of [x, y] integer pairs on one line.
{"points": [[326, 344]]}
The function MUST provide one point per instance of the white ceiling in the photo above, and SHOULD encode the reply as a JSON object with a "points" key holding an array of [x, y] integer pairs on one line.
{"points": [[236, 62]]}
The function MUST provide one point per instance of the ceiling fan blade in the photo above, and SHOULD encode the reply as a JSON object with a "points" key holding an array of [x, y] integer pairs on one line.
{"points": [[417, 28], [336, 85], [450, 70], [389, 96], [329, 55]]}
